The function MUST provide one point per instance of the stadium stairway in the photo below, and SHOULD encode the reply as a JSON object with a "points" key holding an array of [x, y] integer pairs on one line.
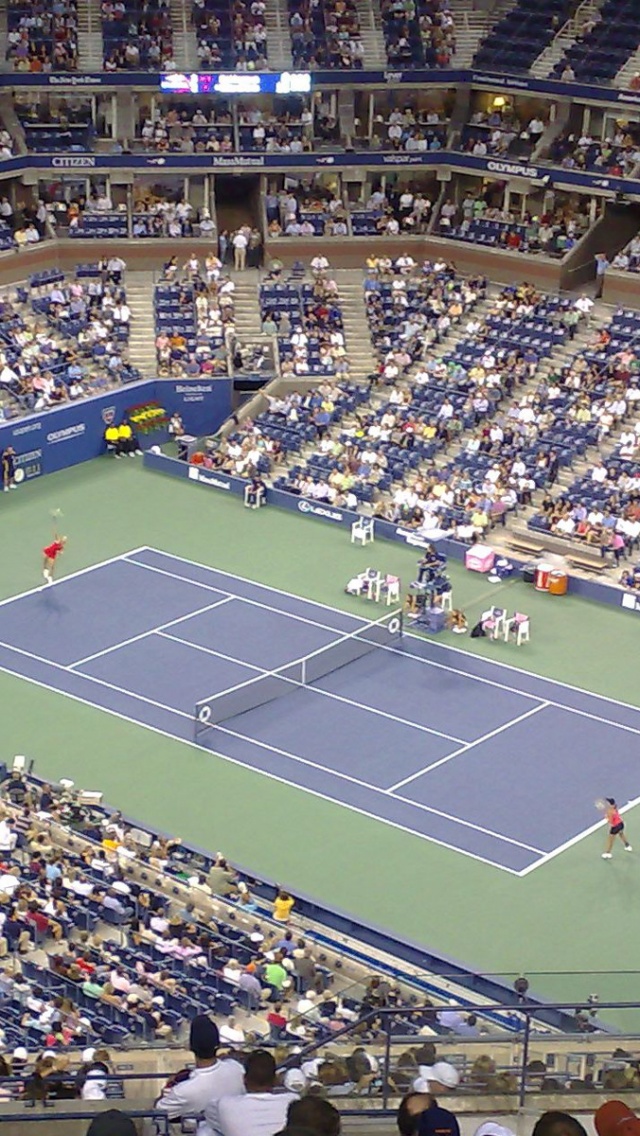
{"points": [[12, 123], [473, 25], [246, 305], [375, 55], [185, 45], [278, 35], [362, 360], [489, 20], [628, 70], [142, 335], [89, 36], [566, 37], [5, 64]]}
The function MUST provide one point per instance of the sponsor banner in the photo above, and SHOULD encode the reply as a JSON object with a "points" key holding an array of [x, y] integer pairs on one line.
{"points": [[498, 169], [48, 442], [254, 82], [203, 404], [385, 530]]}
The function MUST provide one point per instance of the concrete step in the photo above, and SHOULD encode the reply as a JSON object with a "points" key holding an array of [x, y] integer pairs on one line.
{"points": [[185, 45], [278, 36], [567, 35], [90, 46], [375, 54]]}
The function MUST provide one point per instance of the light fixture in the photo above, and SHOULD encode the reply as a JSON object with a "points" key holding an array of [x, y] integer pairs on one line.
{"points": [[499, 102]]}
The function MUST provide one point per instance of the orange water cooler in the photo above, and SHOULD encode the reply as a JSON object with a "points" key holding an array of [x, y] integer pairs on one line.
{"points": [[558, 583]]}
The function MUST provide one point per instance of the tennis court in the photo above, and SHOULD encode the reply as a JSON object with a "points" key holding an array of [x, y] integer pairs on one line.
{"points": [[474, 755]]}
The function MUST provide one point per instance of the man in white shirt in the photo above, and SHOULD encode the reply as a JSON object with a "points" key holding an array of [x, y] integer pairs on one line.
{"points": [[239, 242], [584, 305], [192, 1092], [262, 1111]]}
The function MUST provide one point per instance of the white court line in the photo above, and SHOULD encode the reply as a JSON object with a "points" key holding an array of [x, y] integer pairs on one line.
{"points": [[250, 769], [210, 651], [411, 655], [235, 596], [358, 621], [261, 672], [74, 575], [467, 746], [145, 634], [599, 824], [91, 678], [154, 631], [374, 788], [489, 663]]}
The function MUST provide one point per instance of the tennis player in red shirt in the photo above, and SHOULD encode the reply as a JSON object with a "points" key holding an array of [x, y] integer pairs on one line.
{"points": [[51, 554]]}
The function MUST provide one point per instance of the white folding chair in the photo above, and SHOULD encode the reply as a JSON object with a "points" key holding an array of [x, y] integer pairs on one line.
{"points": [[362, 530], [499, 617], [520, 625], [376, 581], [391, 588], [445, 601]]}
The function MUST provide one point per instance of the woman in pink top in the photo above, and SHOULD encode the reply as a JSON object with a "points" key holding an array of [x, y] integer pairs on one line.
{"points": [[616, 827]]}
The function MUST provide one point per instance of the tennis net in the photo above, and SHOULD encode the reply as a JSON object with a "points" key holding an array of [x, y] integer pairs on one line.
{"points": [[267, 687]]}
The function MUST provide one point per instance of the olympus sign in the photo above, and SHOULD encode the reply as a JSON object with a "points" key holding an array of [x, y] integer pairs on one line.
{"points": [[512, 169]]}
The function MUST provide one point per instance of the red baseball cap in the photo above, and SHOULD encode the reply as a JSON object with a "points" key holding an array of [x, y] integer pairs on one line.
{"points": [[616, 1119]]}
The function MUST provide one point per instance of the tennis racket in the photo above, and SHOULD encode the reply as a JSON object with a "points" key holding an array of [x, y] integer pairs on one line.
{"points": [[600, 803]]}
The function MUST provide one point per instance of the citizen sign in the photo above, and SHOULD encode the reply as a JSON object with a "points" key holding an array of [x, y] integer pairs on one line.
{"points": [[80, 163]]}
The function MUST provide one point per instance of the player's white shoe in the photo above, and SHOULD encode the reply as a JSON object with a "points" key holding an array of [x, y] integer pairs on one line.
{"points": [[628, 848], [606, 855]]}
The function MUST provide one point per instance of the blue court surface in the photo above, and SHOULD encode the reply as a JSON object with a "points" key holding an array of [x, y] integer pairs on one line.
{"points": [[475, 755]]}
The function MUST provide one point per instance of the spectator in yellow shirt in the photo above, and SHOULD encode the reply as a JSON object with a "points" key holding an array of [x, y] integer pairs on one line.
{"points": [[282, 905], [127, 440], [112, 438]]}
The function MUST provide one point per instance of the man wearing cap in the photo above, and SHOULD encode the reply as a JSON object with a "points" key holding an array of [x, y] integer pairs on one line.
{"points": [[437, 1078], [113, 1122], [616, 1119], [419, 1114], [262, 1111], [191, 1092]]}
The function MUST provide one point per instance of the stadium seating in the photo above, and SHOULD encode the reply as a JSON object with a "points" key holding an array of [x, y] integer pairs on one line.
{"points": [[515, 41], [616, 156], [41, 38], [595, 394], [126, 936], [63, 338], [193, 321], [99, 226], [231, 36], [326, 34], [135, 38], [418, 35], [611, 38]]}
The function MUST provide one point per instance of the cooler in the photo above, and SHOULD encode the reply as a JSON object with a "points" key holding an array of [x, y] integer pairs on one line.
{"points": [[543, 572], [479, 558], [434, 620], [528, 573], [187, 446], [558, 583]]}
